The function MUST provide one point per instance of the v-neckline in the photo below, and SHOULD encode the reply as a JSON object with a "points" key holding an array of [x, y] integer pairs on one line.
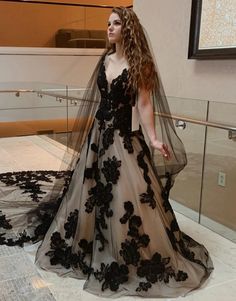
{"points": [[109, 84]]}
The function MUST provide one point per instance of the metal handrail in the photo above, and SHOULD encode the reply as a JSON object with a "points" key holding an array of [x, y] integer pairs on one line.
{"points": [[174, 117], [196, 121], [62, 3], [38, 91], [48, 92], [17, 91]]}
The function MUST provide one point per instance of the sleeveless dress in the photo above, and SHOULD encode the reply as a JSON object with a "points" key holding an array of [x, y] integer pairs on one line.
{"points": [[115, 227]]}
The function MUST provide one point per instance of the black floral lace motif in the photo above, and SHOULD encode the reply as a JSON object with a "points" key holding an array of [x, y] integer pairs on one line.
{"points": [[21, 239], [180, 242], [148, 196], [173, 233], [108, 137], [103, 213], [31, 182], [129, 248], [61, 253], [101, 195], [115, 110], [110, 169], [157, 269], [129, 208], [71, 224], [94, 147], [4, 223], [99, 235], [187, 244], [127, 141], [165, 194], [43, 214], [112, 275], [92, 172], [122, 119]]}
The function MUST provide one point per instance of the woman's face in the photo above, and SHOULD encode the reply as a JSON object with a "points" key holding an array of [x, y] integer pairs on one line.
{"points": [[114, 29]]}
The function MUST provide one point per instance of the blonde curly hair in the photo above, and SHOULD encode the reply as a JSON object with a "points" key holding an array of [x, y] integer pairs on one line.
{"points": [[142, 72]]}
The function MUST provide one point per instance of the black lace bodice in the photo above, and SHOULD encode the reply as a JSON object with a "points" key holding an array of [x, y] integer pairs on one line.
{"points": [[115, 109]]}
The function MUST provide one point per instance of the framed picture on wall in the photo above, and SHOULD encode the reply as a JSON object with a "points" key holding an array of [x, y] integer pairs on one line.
{"points": [[212, 29]]}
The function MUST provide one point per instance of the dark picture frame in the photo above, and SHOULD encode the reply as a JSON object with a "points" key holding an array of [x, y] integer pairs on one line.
{"points": [[194, 51]]}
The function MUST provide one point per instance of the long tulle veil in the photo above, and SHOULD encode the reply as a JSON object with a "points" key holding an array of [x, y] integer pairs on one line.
{"points": [[166, 170]]}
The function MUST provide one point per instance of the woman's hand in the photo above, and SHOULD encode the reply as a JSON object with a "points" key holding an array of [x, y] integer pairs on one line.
{"points": [[147, 120], [163, 148]]}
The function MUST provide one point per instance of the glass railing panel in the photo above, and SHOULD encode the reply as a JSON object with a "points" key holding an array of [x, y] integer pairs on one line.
{"points": [[185, 194], [185, 198], [223, 113], [58, 98], [78, 110], [187, 107], [30, 121], [218, 210]]}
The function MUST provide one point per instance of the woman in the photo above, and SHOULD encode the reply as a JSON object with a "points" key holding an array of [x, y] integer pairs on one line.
{"points": [[115, 226]]}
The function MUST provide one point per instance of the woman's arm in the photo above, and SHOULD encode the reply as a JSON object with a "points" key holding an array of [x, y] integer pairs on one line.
{"points": [[146, 114]]}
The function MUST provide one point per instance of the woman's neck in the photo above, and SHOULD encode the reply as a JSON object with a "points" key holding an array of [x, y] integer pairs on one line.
{"points": [[119, 52]]}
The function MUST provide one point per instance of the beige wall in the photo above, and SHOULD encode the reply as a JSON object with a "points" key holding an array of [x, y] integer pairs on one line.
{"points": [[167, 23]]}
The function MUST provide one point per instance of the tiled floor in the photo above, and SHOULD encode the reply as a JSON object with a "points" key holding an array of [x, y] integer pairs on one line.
{"points": [[20, 280]]}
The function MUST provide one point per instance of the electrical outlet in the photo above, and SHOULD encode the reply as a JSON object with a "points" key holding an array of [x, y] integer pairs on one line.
{"points": [[221, 178]]}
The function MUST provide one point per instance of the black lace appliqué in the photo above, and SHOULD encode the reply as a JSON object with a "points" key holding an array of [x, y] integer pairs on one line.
{"points": [[92, 172], [157, 269], [110, 169], [148, 196], [130, 248], [129, 208], [115, 110], [94, 147], [122, 119], [127, 140], [112, 275], [21, 239], [71, 224], [165, 194], [100, 196], [61, 253], [31, 182], [4, 223], [187, 244], [108, 137]]}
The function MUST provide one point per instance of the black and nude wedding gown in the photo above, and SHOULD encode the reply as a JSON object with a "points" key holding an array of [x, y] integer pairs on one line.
{"points": [[114, 226]]}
